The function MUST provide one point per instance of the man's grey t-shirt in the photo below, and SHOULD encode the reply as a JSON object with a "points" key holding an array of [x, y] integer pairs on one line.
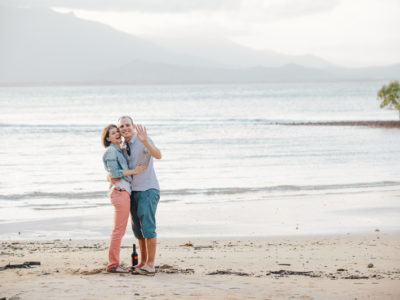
{"points": [[140, 155]]}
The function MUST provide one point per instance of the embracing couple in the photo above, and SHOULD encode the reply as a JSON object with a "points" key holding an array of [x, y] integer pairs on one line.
{"points": [[134, 189]]}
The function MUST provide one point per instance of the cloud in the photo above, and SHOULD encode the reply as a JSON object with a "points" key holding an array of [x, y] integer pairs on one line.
{"points": [[354, 32], [149, 6], [267, 8], [278, 9]]}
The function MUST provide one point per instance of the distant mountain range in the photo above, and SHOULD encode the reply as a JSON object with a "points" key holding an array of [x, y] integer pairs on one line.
{"points": [[40, 46]]}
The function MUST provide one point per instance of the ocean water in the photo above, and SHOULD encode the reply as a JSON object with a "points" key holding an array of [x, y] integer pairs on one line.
{"points": [[231, 163]]}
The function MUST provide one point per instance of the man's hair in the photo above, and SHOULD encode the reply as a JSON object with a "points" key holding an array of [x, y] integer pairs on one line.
{"points": [[106, 133], [126, 117]]}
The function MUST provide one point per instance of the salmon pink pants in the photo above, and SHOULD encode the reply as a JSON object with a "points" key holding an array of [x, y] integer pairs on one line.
{"points": [[121, 201]]}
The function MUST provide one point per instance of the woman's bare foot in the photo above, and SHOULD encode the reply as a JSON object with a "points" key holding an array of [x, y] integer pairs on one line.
{"points": [[118, 269]]}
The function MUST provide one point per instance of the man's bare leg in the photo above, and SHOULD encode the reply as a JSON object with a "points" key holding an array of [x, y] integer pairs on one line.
{"points": [[143, 253], [151, 245]]}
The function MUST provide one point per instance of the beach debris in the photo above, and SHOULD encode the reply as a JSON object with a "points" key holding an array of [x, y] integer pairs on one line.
{"points": [[229, 272], [25, 265], [188, 244], [284, 264], [370, 265], [341, 270], [171, 270], [203, 247], [356, 277], [288, 272], [164, 267], [94, 271], [94, 247]]}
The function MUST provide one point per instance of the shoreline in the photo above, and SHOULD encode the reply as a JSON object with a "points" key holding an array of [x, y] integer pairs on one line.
{"points": [[306, 267], [316, 214], [169, 83]]}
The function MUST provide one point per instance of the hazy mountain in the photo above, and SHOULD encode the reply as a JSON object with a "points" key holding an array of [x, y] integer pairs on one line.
{"points": [[226, 53], [140, 72], [391, 72], [42, 46]]}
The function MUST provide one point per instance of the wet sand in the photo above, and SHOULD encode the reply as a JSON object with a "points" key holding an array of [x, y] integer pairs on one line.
{"points": [[307, 267]]}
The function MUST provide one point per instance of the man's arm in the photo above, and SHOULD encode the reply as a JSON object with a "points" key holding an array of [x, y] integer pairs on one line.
{"points": [[153, 150], [142, 136]]}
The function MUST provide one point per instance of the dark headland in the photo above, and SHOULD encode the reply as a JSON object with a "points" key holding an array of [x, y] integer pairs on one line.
{"points": [[381, 124]]}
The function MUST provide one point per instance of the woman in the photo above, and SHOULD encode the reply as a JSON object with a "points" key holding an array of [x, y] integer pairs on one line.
{"points": [[116, 164]]}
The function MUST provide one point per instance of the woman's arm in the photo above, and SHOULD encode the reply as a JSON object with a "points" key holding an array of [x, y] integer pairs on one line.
{"points": [[137, 170], [112, 165], [115, 170]]}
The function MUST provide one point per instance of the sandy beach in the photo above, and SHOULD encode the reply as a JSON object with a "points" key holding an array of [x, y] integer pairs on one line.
{"points": [[308, 267]]}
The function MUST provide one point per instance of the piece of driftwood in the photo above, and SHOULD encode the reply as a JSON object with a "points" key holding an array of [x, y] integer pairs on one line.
{"points": [[228, 272], [356, 277], [93, 272], [287, 272], [25, 265], [171, 270]]}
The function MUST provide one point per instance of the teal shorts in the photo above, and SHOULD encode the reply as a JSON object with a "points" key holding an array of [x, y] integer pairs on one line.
{"points": [[143, 212]]}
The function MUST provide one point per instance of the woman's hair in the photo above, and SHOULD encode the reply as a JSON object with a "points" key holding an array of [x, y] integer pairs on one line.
{"points": [[105, 134]]}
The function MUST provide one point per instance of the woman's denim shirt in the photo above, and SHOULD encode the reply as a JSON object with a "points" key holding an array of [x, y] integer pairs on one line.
{"points": [[114, 163]]}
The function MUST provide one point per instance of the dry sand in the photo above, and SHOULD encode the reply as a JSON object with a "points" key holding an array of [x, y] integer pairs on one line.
{"points": [[312, 267]]}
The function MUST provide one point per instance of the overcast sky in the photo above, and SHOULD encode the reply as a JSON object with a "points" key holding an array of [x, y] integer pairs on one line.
{"points": [[345, 32]]}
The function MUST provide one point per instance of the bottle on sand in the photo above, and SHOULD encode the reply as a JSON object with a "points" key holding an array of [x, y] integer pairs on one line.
{"points": [[134, 257]]}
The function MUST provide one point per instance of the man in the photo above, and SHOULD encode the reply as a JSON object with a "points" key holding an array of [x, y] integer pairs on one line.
{"points": [[145, 190]]}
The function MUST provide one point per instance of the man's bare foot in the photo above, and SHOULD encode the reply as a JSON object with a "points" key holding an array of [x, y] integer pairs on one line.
{"points": [[148, 268], [141, 265]]}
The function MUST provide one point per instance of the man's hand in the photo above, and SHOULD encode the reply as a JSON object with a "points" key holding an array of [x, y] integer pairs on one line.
{"points": [[141, 133]]}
